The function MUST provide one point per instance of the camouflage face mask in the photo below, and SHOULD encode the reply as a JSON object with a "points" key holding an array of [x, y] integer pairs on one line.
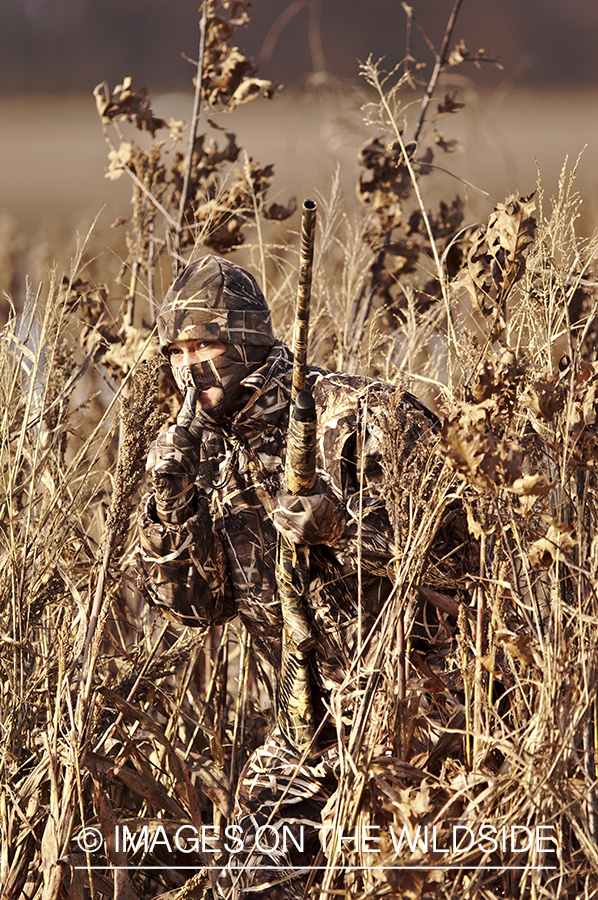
{"points": [[226, 372]]}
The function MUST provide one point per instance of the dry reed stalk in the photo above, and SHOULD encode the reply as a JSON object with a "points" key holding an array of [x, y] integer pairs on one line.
{"points": [[195, 114], [237, 756], [502, 732], [478, 746]]}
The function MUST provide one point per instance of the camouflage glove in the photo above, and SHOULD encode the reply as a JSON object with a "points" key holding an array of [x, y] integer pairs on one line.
{"points": [[174, 462], [317, 519]]}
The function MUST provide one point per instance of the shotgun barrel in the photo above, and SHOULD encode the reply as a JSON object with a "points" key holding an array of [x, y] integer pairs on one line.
{"points": [[295, 715], [306, 265]]}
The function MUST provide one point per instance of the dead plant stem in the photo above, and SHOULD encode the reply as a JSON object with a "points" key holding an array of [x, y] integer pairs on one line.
{"points": [[151, 263], [87, 664], [195, 115], [258, 225], [130, 308], [426, 220], [143, 187], [363, 307], [479, 651], [440, 62], [131, 693]]}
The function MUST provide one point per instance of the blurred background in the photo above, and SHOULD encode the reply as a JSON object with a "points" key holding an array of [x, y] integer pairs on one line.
{"points": [[541, 105]]}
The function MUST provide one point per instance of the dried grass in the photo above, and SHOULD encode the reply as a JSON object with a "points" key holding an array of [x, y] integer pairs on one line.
{"points": [[112, 716]]}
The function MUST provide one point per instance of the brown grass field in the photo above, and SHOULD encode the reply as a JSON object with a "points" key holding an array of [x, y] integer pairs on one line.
{"points": [[53, 157], [112, 716]]}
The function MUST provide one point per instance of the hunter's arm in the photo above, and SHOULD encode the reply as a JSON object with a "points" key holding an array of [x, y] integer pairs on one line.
{"points": [[347, 507], [181, 568], [350, 449]]}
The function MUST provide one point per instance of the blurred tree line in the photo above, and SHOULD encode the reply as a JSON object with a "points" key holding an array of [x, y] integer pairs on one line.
{"points": [[71, 45]]}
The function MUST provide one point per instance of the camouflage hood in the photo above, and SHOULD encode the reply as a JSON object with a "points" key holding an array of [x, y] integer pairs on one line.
{"points": [[215, 300]]}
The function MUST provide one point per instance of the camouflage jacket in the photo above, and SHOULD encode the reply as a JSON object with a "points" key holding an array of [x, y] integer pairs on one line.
{"points": [[221, 561]]}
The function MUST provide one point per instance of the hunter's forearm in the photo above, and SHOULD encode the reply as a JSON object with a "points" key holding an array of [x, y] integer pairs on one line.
{"points": [[181, 567]]}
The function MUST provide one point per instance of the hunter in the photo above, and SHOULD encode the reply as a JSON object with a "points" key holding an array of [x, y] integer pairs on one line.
{"points": [[208, 527]]}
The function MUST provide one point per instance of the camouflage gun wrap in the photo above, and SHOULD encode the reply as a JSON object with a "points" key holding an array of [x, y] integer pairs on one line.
{"points": [[295, 714], [306, 263]]}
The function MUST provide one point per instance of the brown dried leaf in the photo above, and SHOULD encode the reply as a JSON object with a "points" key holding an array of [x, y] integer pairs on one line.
{"points": [[489, 663], [449, 104], [434, 685], [531, 486], [278, 212], [123, 103], [458, 54], [229, 77], [586, 387], [519, 647], [476, 529], [135, 345], [487, 461], [389, 182], [250, 88], [213, 786], [449, 605], [479, 269], [450, 146], [464, 439], [119, 159], [424, 162], [499, 376], [511, 229], [212, 158], [176, 128], [580, 423], [141, 785], [543, 552], [448, 220], [415, 803], [545, 396], [585, 375], [404, 256]]}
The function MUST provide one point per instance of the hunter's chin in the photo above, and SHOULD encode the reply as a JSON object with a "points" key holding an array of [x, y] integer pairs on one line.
{"points": [[209, 398]]}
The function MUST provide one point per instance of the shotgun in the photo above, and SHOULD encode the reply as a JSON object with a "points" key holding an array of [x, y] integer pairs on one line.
{"points": [[295, 713]]}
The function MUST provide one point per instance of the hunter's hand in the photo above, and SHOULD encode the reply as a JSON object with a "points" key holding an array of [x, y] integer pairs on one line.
{"points": [[174, 461], [316, 519]]}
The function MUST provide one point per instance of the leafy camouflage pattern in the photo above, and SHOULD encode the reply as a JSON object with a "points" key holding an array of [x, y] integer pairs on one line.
{"points": [[215, 300], [274, 791], [226, 372], [221, 560], [173, 461], [229, 566], [293, 570], [316, 519]]}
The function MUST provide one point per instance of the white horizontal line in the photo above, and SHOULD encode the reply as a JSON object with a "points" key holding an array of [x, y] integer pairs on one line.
{"points": [[323, 868]]}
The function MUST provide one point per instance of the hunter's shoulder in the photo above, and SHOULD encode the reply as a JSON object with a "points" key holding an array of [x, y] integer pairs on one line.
{"points": [[352, 387], [340, 390]]}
